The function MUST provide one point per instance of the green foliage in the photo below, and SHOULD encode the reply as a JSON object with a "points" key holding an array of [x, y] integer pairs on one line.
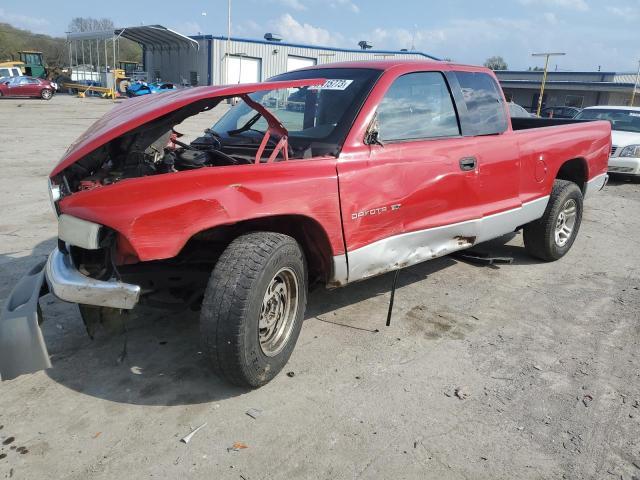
{"points": [[54, 49], [13, 40], [496, 63]]}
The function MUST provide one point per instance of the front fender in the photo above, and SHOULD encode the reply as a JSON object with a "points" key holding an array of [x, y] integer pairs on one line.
{"points": [[158, 214]]}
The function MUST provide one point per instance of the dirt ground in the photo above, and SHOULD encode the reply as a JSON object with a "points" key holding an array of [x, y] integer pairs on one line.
{"points": [[544, 358]]}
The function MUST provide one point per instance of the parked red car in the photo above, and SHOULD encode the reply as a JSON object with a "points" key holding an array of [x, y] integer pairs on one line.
{"points": [[28, 87], [322, 176]]}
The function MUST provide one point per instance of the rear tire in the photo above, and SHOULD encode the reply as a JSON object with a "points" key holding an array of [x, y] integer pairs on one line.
{"points": [[253, 307], [550, 237]]}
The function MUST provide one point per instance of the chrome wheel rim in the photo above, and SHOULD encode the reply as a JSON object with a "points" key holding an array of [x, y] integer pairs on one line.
{"points": [[278, 312], [566, 222], [46, 94]]}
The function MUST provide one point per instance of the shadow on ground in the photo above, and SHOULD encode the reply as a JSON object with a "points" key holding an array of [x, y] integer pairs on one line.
{"points": [[616, 180], [159, 360]]}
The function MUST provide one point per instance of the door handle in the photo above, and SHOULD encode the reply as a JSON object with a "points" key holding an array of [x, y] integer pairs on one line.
{"points": [[468, 163]]}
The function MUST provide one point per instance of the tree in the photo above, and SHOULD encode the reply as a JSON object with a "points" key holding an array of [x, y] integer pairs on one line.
{"points": [[13, 40], [127, 50], [88, 24], [496, 63]]}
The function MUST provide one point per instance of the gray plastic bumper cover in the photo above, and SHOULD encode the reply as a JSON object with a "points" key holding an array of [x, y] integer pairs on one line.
{"points": [[22, 346]]}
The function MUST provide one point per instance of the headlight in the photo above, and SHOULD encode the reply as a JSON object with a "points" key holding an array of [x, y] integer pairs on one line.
{"points": [[630, 151], [54, 195], [78, 232]]}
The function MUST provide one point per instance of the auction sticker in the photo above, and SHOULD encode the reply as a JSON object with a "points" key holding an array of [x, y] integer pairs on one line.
{"points": [[333, 84]]}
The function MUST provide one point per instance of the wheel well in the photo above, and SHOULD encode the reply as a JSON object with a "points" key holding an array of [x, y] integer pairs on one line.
{"points": [[310, 235], [575, 171]]}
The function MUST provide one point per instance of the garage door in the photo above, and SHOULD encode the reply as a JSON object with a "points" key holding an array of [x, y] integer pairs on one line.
{"points": [[294, 63], [243, 70]]}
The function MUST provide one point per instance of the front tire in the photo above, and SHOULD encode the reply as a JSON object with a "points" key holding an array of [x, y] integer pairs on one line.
{"points": [[254, 306], [550, 237], [46, 94]]}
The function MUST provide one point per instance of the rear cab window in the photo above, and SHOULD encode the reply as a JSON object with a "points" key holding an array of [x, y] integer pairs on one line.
{"points": [[417, 106], [481, 105]]}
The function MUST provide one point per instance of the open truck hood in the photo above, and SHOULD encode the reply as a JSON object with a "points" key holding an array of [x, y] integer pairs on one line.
{"points": [[137, 111]]}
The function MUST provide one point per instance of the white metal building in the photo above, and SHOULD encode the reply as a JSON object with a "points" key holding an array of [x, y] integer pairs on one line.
{"points": [[249, 60]]}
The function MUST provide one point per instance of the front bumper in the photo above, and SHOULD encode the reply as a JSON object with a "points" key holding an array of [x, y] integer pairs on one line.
{"points": [[626, 165], [67, 283], [22, 346]]}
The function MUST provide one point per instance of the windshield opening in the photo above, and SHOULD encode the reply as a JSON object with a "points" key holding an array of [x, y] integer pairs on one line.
{"points": [[317, 118], [623, 120]]}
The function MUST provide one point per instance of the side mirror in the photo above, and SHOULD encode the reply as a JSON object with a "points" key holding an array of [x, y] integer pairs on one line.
{"points": [[372, 137]]}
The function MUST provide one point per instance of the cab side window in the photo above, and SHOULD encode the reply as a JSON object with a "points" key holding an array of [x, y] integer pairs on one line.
{"points": [[417, 106], [485, 108]]}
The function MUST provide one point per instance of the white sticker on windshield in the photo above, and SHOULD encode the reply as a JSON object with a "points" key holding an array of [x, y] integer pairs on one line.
{"points": [[634, 114], [333, 84]]}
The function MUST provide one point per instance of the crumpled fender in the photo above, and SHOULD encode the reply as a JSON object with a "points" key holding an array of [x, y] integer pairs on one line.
{"points": [[22, 346]]}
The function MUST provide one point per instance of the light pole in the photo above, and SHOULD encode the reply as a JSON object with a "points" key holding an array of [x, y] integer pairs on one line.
{"points": [[544, 76], [226, 67], [635, 85]]}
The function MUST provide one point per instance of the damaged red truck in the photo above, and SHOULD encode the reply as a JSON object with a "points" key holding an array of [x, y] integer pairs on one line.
{"points": [[322, 176]]}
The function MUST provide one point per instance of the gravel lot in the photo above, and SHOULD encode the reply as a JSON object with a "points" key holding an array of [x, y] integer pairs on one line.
{"points": [[545, 358]]}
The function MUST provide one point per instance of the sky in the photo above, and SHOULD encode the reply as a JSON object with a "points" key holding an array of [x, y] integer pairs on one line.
{"points": [[593, 33]]}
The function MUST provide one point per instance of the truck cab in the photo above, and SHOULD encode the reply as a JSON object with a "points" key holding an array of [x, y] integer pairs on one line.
{"points": [[10, 69], [33, 63]]}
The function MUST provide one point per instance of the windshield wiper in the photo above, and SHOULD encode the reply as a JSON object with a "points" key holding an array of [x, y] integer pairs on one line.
{"points": [[247, 126]]}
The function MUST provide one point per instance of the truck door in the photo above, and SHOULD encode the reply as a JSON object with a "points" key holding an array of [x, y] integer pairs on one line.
{"points": [[496, 151], [412, 196]]}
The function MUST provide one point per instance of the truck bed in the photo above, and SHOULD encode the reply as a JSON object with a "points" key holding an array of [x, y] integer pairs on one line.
{"points": [[522, 123]]}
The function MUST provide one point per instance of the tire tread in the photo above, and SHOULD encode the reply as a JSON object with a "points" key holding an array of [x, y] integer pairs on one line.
{"points": [[227, 298], [538, 235]]}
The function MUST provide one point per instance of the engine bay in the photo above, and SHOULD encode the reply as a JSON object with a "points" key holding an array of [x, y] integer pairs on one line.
{"points": [[166, 154], [155, 148]]}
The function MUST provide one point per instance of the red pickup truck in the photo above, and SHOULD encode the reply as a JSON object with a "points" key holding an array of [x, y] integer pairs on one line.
{"points": [[322, 176]]}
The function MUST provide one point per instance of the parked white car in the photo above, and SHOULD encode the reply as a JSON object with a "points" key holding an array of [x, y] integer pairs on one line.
{"points": [[625, 136], [8, 72]]}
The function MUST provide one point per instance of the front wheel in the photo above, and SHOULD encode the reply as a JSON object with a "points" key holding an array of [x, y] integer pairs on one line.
{"points": [[46, 94], [551, 236], [254, 306]]}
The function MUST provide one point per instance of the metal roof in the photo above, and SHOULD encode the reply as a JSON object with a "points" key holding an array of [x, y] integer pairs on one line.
{"points": [[555, 72], [315, 47], [559, 84], [151, 36]]}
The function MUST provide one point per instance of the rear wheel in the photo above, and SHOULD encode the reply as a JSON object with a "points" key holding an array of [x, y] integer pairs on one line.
{"points": [[254, 306], [551, 236], [46, 94]]}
